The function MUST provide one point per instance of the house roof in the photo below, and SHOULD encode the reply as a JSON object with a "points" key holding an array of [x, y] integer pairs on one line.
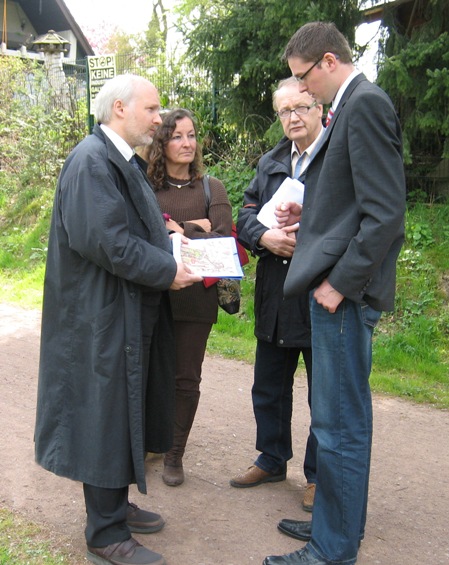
{"points": [[54, 14], [408, 14], [376, 13]]}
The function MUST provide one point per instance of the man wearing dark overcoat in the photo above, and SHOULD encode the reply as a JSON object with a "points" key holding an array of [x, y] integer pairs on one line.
{"points": [[106, 375]]}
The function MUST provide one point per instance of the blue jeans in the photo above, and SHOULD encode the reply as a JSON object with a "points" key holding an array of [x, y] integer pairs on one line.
{"points": [[272, 395], [342, 422]]}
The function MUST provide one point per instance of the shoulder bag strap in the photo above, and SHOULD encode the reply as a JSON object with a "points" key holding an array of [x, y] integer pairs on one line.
{"points": [[206, 187]]}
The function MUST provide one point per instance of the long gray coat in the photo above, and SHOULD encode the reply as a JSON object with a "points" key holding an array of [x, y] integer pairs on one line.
{"points": [[108, 244]]}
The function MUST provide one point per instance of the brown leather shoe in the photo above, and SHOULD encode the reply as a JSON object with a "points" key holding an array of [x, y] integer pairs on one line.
{"points": [[255, 476], [173, 475], [143, 522], [309, 497], [128, 552]]}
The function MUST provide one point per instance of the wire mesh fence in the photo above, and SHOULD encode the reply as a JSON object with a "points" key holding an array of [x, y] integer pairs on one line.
{"points": [[181, 85], [174, 81]]}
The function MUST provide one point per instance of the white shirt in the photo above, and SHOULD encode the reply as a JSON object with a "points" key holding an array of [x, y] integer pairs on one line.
{"points": [[118, 141], [343, 87]]}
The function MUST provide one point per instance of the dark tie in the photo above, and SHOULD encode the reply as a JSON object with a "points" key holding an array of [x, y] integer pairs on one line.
{"points": [[134, 163], [329, 116]]}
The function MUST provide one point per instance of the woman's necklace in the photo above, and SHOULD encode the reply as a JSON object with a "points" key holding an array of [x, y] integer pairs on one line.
{"points": [[179, 185]]}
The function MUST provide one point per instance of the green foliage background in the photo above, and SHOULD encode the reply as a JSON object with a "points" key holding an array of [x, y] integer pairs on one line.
{"points": [[414, 70], [240, 43], [236, 59]]}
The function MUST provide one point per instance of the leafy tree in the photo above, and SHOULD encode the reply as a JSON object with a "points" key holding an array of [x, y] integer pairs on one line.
{"points": [[120, 43], [240, 42], [155, 37], [414, 70]]}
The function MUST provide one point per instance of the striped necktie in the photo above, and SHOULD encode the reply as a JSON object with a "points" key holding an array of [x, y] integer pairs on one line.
{"points": [[329, 116]]}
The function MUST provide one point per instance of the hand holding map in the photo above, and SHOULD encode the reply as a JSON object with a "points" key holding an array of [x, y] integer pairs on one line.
{"points": [[209, 257]]}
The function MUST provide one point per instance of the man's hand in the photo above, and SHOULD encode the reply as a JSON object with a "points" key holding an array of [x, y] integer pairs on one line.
{"points": [[328, 297], [288, 213], [184, 277], [290, 231], [279, 242]]}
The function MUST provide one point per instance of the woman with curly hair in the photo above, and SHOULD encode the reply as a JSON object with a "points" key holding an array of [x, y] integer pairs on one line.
{"points": [[176, 173]]}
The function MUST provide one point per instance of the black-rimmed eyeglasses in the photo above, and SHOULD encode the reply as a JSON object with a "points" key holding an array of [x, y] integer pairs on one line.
{"points": [[302, 77], [299, 110]]}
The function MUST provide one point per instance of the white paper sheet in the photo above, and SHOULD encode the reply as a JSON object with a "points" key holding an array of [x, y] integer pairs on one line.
{"points": [[291, 190]]}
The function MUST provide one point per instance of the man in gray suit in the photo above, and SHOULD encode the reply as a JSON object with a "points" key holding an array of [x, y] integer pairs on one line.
{"points": [[351, 232]]}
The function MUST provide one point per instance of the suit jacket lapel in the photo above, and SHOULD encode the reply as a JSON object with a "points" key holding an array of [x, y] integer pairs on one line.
{"points": [[346, 95]]}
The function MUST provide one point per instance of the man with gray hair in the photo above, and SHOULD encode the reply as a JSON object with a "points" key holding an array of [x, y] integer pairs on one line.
{"points": [[106, 374], [282, 327]]}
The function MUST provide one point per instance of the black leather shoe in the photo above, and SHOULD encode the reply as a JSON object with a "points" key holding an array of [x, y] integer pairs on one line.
{"points": [[297, 529], [300, 557], [143, 522]]}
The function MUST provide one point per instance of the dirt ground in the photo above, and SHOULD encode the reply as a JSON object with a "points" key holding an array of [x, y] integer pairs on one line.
{"points": [[207, 521]]}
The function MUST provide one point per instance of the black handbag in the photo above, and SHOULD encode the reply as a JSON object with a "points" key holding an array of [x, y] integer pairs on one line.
{"points": [[228, 293]]}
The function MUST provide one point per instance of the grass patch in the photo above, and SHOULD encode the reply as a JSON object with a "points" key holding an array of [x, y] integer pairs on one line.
{"points": [[25, 543], [233, 335], [414, 387], [22, 286]]}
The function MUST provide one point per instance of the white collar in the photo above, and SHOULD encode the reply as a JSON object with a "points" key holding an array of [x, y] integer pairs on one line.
{"points": [[309, 149], [118, 141], [343, 87]]}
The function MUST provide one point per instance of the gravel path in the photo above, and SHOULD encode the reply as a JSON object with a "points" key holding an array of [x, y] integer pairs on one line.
{"points": [[207, 521]]}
